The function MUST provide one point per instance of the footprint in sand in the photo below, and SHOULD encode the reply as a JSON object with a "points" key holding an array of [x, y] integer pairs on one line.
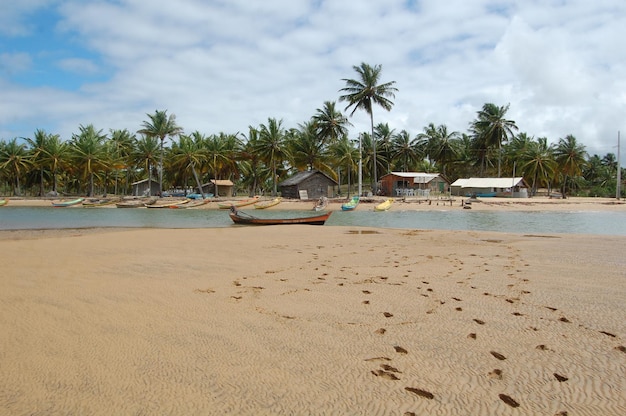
{"points": [[508, 400], [422, 393], [380, 331], [472, 336], [387, 367], [400, 350], [479, 322], [560, 378], [498, 355], [387, 314], [385, 374]]}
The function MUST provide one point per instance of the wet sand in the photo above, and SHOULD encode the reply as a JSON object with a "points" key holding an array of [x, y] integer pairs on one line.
{"points": [[311, 320]]}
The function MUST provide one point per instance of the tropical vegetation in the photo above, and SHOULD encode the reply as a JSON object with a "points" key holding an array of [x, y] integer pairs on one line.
{"points": [[93, 161]]}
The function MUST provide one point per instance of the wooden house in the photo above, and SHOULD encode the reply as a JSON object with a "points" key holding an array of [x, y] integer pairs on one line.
{"points": [[219, 187], [310, 184], [413, 184], [145, 188], [490, 187]]}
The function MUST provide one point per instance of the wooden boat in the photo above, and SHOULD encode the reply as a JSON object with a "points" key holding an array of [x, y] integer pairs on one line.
{"points": [[99, 202], [167, 204], [321, 205], [191, 203], [240, 217], [135, 203], [384, 206], [351, 204], [67, 203], [268, 203], [3, 202], [241, 203]]}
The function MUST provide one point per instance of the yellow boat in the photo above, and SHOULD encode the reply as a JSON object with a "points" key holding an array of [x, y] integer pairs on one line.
{"points": [[268, 203], [384, 206], [3, 202]]}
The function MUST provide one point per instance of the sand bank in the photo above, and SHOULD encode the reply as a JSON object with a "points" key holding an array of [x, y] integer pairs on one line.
{"points": [[311, 320], [539, 203]]}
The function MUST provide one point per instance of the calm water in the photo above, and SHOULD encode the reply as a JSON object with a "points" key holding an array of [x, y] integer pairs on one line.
{"points": [[606, 223]]}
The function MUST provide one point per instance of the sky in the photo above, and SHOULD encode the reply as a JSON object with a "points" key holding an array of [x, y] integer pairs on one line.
{"points": [[226, 65]]}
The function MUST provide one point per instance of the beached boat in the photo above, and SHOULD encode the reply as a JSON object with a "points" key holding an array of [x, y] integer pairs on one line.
{"points": [[268, 203], [67, 203], [351, 204], [99, 202], [238, 204], [135, 203], [321, 204], [384, 206], [240, 217], [3, 202], [191, 203], [167, 204]]}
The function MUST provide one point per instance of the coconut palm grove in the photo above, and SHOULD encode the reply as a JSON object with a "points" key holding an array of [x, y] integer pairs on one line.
{"points": [[97, 160]]}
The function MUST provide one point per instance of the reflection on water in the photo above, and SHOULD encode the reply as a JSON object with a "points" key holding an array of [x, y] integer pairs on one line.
{"points": [[607, 223]]}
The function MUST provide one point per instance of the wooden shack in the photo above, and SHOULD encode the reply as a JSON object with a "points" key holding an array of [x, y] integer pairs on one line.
{"points": [[413, 184], [146, 188], [310, 184]]}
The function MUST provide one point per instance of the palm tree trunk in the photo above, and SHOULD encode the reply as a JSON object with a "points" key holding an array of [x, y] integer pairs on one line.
{"points": [[195, 175], [161, 167], [375, 187]]}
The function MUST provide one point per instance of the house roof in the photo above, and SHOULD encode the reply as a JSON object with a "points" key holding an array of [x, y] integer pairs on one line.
{"points": [[144, 181], [418, 177], [489, 182], [219, 182], [301, 176]]}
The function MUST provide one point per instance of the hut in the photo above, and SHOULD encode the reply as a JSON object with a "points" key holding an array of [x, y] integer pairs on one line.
{"points": [[490, 187], [219, 187], [310, 184], [413, 184], [145, 188]]}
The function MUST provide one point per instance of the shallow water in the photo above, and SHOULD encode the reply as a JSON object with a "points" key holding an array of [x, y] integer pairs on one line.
{"points": [[525, 222]]}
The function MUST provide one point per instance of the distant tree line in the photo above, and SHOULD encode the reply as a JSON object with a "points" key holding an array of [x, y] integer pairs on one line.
{"points": [[96, 162]]}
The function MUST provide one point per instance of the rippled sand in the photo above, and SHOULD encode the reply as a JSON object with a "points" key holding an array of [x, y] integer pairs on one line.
{"points": [[311, 320]]}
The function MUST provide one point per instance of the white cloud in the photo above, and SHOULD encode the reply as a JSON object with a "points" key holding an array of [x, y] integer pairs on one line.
{"points": [[224, 65]]}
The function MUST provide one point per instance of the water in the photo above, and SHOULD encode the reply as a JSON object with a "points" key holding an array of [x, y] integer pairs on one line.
{"points": [[525, 222]]}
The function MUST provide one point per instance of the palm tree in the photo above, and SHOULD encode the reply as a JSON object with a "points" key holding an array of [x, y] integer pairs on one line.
{"points": [[307, 150], [494, 127], [161, 125], [537, 161], [14, 161], [384, 136], [121, 146], [188, 153], [344, 153], [56, 156], [404, 150], [38, 154], [570, 158], [330, 124], [89, 153], [366, 91], [145, 154], [441, 146], [272, 146]]}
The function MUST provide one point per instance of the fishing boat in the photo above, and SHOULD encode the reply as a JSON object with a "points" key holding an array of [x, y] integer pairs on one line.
{"points": [[240, 217], [321, 204], [67, 203], [351, 204], [191, 203], [135, 203], [99, 202], [238, 204], [384, 206], [3, 202], [268, 203], [168, 203]]}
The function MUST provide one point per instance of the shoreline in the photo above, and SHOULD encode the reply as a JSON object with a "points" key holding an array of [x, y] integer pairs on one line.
{"points": [[485, 204], [349, 320]]}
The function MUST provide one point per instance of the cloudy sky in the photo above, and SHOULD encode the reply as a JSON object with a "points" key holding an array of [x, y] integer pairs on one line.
{"points": [[224, 65]]}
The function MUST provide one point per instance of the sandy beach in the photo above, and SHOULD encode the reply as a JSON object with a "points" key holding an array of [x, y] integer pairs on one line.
{"points": [[305, 320]]}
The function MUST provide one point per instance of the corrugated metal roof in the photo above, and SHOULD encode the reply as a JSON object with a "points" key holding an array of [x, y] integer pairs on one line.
{"points": [[489, 182], [300, 176]]}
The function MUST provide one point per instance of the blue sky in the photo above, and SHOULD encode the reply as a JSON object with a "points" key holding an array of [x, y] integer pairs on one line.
{"points": [[222, 66]]}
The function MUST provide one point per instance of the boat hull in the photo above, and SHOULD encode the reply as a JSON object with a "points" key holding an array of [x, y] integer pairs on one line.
{"points": [[237, 204], [351, 205], [62, 204], [384, 206], [268, 204], [241, 218]]}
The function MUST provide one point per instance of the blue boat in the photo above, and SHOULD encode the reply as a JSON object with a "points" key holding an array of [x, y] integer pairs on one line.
{"points": [[351, 204]]}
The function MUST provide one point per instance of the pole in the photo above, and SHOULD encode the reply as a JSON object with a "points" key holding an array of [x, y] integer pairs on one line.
{"points": [[619, 173], [360, 168]]}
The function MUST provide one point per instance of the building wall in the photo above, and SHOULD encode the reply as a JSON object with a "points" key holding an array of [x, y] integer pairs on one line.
{"points": [[316, 186]]}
